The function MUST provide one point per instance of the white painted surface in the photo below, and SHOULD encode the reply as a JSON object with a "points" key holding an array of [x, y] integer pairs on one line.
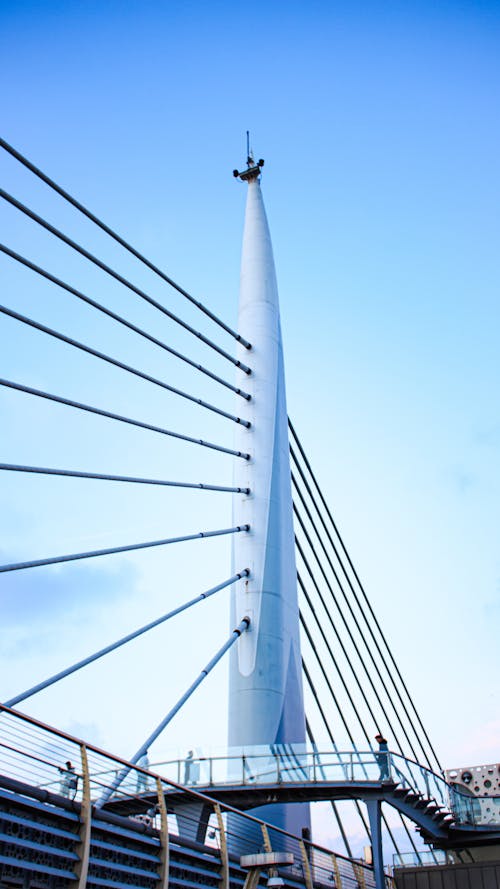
{"points": [[265, 699]]}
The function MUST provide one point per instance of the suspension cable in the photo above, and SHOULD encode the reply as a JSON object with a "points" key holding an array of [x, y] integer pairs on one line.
{"points": [[114, 274], [37, 563], [308, 634], [296, 463], [346, 625], [120, 240], [327, 726], [114, 645], [116, 363], [128, 324], [338, 819], [337, 579], [71, 473], [235, 635], [109, 415], [329, 648], [361, 587], [348, 732]]}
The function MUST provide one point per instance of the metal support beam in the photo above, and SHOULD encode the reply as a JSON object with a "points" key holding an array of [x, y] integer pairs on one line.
{"points": [[374, 815], [114, 645], [235, 635]]}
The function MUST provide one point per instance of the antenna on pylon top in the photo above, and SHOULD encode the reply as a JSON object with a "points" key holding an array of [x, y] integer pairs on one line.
{"points": [[253, 169]]}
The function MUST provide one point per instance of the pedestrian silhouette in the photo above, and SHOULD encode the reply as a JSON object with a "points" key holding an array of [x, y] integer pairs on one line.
{"points": [[191, 769], [69, 780], [382, 758]]}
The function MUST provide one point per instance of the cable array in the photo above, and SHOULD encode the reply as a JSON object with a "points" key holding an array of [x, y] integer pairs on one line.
{"points": [[106, 228], [342, 634], [98, 307], [339, 623], [115, 317]]}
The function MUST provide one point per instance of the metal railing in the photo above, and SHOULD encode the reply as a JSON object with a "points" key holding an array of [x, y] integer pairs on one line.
{"points": [[56, 766], [284, 764], [276, 764]]}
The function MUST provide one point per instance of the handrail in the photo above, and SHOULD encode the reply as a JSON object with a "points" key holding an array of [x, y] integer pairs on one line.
{"points": [[293, 764], [281, 764], [60, 751]]}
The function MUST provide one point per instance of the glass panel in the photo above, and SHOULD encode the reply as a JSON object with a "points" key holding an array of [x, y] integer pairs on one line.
{"points": [[261, 769], [331, 766]]}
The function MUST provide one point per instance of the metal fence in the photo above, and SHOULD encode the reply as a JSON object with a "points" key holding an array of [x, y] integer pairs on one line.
{"points": [[77, 777]]}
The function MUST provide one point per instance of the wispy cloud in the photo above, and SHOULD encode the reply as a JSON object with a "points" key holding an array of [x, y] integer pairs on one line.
{"points": [[34, 600]]}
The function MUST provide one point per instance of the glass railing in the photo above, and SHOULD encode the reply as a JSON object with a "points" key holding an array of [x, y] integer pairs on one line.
{"points": [[51, 766], [465, 808], [295, 764], [423, 857], [276, 764]]}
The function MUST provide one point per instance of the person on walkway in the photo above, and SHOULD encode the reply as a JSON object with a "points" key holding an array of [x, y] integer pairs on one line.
{"points": [[382, 758], [142, 779], [191, 769], [68, 781]]}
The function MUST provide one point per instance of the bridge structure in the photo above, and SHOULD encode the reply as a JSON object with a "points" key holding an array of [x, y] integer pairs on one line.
{"points": [[312, 675]]}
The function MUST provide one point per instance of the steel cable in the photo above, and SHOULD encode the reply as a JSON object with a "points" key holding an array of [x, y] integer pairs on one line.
{"points": [[128, 324], [109, 231], [123, 641], [116, 363], [363, 592], [100, 412], [105, 268], [72, 473], [37, 563], [361, 610], [346, 625], [368, 649]]}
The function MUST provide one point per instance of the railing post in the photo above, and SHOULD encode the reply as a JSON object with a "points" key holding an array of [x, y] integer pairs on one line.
{"points": [[224, 856], [243, 768], [83, 847], [265, 836], [426, 782], [306, 864], [359, 873], [314, 768], [252, 878], [336, 870], [164, 839], [210, 772]]}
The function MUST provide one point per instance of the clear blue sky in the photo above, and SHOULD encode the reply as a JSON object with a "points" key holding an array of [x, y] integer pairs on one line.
{"points": [[379, 126]]}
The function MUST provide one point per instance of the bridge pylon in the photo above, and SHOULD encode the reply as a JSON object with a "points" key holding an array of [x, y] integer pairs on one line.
{"points": [[266, 705]]}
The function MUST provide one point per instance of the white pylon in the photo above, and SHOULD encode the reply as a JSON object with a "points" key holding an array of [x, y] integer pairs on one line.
{"points": [[265, 690]]}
